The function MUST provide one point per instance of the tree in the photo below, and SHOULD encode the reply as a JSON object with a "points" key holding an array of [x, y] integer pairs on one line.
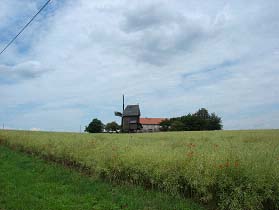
{"points": [[177, 125], [202, 113], [96, 126], [199, 121], [202, 119], [215, 122], [192, 122], [112, 126], [165, 125]]}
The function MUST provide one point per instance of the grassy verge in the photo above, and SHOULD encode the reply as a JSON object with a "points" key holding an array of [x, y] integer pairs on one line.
{"points": [[28, 183], [235, 170]]}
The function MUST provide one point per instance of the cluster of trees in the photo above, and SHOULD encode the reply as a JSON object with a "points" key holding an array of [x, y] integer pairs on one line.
{"points": [[96, 126], [199, 121]]}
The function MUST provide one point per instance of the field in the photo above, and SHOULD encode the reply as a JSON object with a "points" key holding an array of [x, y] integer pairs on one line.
{"points": [[28, 183], [231, 170]]}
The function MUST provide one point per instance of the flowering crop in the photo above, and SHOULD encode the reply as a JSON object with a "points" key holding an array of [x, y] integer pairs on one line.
{"points": [[234, 169]]}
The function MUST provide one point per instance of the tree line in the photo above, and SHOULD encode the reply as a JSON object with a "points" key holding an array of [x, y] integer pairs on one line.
{"points": [[96, 126], [199, 121]]}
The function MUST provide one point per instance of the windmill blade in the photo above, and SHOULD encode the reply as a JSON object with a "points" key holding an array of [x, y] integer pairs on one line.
{"points": [[118, 114]]}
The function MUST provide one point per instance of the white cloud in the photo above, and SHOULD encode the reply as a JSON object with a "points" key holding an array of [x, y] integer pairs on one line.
{"points": [[21, 71], [172, 58]]}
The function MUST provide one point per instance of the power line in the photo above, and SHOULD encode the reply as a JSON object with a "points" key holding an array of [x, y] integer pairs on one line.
{"points": [[30, 21]]}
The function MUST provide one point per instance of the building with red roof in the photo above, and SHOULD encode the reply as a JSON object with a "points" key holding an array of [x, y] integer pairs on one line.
{"points": [[151, 124]]}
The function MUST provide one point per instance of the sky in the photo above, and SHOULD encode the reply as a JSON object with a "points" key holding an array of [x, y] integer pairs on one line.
{"points": [[74, 62]]}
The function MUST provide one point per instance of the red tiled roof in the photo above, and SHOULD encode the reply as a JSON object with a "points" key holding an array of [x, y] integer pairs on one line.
{"points": [[151, 121]]}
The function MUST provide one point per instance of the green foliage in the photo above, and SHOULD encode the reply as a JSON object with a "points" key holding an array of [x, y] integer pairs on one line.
{"points": [[30, 183], [95, 126], [177, 125], [202, 114], [214, 122], [236, 170], [199, 121], [165, 125], [112, 127]]}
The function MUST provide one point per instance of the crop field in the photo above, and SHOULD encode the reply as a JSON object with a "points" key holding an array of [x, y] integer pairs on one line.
{"points": [[30, 183], [230, 170]]}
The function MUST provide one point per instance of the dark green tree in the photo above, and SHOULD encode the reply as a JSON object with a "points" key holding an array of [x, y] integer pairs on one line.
{"points": [[192, 122], [202, 114], [199, 121], [202, 119], [112, 127], [165, 125], [96, 126], [215, 122], [177, 125]]}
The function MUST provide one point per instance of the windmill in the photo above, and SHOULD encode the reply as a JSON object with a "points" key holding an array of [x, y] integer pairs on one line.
{"points": [[130, 118]]}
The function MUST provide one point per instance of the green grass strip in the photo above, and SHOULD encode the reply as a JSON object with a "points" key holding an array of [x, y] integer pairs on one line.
{"points": [[29, 183]]}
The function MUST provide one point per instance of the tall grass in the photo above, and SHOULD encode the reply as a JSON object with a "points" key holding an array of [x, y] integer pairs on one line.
{"points": [[232, 169]]}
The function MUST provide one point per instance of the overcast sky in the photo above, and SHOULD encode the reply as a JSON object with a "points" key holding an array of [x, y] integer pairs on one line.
{"points": [[172, 57]]}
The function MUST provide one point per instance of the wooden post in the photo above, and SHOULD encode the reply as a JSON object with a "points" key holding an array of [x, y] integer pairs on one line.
{"points": [[123, 106]]}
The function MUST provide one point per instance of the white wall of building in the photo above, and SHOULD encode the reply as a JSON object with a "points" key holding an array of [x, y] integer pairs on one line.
{"points": [[150, 128]]}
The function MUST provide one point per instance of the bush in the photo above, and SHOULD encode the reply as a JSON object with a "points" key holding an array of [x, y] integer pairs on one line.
{"points": [[112, 127], [96, 126]]}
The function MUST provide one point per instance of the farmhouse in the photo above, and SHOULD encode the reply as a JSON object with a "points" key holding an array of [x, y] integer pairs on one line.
{"points": [[151, 124], [130, 118]]}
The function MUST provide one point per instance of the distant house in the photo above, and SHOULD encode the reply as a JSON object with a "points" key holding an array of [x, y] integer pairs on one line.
{"points": [[131, 118], [151, 124]]}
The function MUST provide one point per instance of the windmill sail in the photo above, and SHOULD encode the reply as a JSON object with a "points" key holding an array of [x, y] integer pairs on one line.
{"points": [[118, 114]]}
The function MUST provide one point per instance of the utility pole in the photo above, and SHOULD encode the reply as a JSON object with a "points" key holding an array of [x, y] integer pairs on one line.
{"points": [[123, 103], [123, 107], [80, 128], [3, 126]]}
